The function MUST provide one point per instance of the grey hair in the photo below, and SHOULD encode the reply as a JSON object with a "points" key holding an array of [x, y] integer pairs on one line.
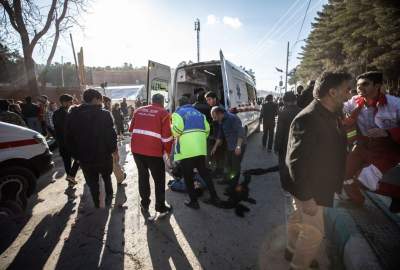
{"points": [[217, 109]]}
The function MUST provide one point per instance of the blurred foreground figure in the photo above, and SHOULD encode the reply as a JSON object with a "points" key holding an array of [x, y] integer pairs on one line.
{"points": [[315, 158]]}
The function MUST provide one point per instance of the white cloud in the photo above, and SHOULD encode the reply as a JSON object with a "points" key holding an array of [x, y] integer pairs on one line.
{"points": [[212, 19], [233, 22]]}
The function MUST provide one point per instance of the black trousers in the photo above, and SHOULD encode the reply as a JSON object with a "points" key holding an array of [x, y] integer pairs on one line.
{"points": [[233, 163], [199, 162], [268, 134], [157, 170], [92, 174], [71, 168], [218, 158]]}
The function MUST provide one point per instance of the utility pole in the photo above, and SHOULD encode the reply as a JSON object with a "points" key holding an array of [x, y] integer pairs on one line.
{"points": [[197, 29], [62, 71], [287, 66], [76, 63]]}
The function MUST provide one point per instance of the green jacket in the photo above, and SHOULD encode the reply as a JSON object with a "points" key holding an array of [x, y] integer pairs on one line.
{"points": [[191, 129]]}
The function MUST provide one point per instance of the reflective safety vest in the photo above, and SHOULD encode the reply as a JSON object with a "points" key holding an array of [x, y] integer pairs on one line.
{"points": [[191, 129]]}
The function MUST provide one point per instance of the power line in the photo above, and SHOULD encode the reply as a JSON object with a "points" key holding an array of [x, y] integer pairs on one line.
{"points": [[302, 23], [278, 24]]}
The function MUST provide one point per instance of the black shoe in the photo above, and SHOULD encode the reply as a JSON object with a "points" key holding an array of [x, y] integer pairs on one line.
{"points": [[192, 204], [289, 256]]}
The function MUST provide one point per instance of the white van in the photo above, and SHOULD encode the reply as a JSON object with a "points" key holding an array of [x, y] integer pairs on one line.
{"points": [[24, 156], [234, 87]]}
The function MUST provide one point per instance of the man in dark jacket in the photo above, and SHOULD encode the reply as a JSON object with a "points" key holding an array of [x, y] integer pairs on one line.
{"points": [[268, 113], [306, 96], [202, 106], [59, 120], [232, 131], [92, 140], [315, 158], [285, 118]]}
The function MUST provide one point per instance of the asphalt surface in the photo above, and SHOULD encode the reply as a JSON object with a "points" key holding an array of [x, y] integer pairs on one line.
{"points": [[62, 230]]}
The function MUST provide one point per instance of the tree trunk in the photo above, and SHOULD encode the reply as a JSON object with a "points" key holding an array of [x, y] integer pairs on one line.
{"points": [[31, 75]]}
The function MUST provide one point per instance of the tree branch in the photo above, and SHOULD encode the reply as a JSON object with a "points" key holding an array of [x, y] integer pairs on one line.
{"points": [[50, 17], [10, 13]]}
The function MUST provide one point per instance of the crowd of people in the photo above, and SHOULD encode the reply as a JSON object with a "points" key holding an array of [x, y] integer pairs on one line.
{"points": [[329, 139]]}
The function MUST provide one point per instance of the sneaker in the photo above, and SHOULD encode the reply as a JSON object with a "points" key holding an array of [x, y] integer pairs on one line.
{"points": [[166, 210], [289, 256], [192, 204]]}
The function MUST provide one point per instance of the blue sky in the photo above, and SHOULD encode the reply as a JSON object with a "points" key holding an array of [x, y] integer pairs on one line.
{"points": [[250, 33]]}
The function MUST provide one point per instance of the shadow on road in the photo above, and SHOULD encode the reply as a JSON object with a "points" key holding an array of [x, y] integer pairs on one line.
{"points": [[97, 238], [37, 249], [164, 247], [221, 240], [84, 246]]}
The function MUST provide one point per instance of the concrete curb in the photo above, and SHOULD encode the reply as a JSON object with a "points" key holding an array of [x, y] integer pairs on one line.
{"points": [[347, 248]]}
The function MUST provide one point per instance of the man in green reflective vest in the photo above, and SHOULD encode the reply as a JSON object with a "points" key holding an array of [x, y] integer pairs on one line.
{"points": [[191, 129]]}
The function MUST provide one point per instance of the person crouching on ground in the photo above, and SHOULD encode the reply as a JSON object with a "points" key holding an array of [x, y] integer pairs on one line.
{"points": [[191, 129], [91, 137]]}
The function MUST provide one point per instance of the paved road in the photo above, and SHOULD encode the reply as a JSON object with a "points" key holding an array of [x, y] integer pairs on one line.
{"points": [[63, 232]]}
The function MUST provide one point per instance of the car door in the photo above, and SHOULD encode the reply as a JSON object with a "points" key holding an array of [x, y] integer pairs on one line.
{"points": [[158, 81], [227, 81]]}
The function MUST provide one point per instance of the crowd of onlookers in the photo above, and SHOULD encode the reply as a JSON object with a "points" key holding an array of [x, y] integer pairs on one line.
{"points": [[38, 115]]}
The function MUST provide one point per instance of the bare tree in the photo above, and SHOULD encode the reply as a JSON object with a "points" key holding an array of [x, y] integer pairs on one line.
{"points": [[25, 17]]}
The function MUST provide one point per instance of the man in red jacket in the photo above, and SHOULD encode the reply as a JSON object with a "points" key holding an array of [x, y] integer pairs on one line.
{"points": [[151, 141]]}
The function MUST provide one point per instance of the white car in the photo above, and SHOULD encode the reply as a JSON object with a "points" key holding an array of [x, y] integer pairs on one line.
{"points": [[24, 156]]}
